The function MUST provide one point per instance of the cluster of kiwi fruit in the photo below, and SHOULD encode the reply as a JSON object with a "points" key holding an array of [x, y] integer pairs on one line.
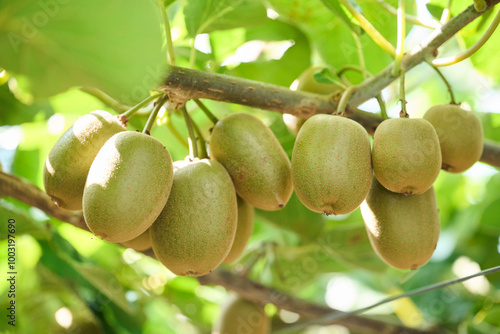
{"points": [[195, 214], [198, 213], [335, 170]]}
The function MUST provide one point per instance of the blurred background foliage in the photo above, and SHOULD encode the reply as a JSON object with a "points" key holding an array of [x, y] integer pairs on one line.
{"points": [[70, 282]]}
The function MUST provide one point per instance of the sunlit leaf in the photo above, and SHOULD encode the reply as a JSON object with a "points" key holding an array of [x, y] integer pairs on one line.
{"points": [[114, 45], [205, 16]]}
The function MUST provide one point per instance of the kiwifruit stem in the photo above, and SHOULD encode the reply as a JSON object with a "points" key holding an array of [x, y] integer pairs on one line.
{"points": [[166, 22], [344, 99], [345, 68], [193, 147], [400, 48], [206, 111], [203, 146], [105, 98], [448, 86], [152, 117], [470, 51], [383, 109], [129, 113], [402, 96], [361, 57], [445, 16]]}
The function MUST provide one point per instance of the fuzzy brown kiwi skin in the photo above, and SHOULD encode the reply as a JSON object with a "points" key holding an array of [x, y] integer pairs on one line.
{"points": [[238, 315], [406, 155], [258, 165], [331, 164], [69, 161], [127, 186], [195, 230], [460, 135], [246, 214], [403, 230]]}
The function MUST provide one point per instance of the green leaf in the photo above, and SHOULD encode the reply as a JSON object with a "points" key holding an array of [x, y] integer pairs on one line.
{"points": [[105, 282], [490, 218], [435, 10], [482, 59], [13, 111], [204, 16], [295, 217], [345, 16], [24, 223], [114, 45], [349, 244], [327, 76]]}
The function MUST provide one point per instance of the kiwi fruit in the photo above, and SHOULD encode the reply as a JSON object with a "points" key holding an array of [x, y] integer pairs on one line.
{"points": [[331, 164], [244, 230], [127, 186], [238, 315], [460, 135], [140, 243], [195, 230], [69, 161], [403, 230], [306, 83], [406, 155], [258, 165]]}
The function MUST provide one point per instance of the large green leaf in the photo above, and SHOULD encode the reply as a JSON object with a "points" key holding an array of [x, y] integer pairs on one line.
{"points": [[341, 12], [295, 217], [203, 16], [114, 45], [482, 59], [13, 111]]}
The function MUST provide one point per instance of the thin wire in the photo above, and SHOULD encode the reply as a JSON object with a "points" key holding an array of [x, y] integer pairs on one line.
{"points": [[338, 315]]}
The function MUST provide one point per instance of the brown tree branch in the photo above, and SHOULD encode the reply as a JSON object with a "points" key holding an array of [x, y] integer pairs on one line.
{"points": [[183, 84], [15, 187], [261, 294], [12, 186]]}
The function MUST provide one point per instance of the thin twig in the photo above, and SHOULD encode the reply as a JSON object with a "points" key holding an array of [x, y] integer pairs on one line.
{"points": [[448, 86], [193, 146], [473, 49], [207, 112], [129, 113], [154, 114], [383, 109], [106, 99], [400, 48]]}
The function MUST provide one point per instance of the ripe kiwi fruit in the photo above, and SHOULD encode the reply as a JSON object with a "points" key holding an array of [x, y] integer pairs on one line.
{"points": [[460, 135], [127, 186], [258, 165], [195, 230], [403, 230], [406, 155], [306, 83], [140, 243], [244, 230], [68, 163], [331, 164], [238, 315]]}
